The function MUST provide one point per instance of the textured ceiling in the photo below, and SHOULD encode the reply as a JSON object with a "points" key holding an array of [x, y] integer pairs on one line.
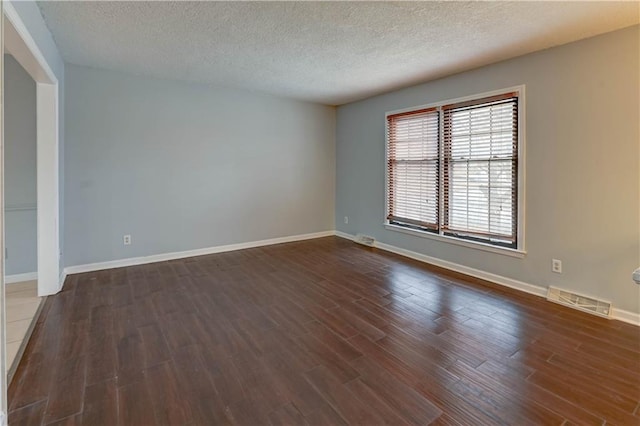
{"points": [[327, 52]]}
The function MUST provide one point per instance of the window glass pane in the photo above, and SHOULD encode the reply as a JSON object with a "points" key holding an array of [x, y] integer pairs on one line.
{"points": [[480, 197], [416, 191], [479, 160], [414, 168], [480, 142]]}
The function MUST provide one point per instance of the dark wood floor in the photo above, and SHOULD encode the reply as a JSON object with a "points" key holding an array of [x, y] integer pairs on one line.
{"points": [[317, 332]]}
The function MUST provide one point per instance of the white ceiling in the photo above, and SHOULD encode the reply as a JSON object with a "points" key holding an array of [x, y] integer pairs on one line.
{"points": [[327, 52]]}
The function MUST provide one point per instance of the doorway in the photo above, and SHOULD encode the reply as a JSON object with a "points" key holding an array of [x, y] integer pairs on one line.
{"points": [[23, 48], [17, 41], [20, 209]]}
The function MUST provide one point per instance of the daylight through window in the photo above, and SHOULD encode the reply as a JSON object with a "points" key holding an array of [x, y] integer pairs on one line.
{"points": [[453, 169]]}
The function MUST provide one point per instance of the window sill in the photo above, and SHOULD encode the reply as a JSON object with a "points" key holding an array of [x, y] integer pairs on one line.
{"points": [[452, 240]]}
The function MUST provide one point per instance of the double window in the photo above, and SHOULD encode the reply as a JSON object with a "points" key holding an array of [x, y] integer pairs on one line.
{"points": [[452, 169]]}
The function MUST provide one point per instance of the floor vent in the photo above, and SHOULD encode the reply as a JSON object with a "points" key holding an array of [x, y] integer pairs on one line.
{"points": [[578, 301], [365, 240]]}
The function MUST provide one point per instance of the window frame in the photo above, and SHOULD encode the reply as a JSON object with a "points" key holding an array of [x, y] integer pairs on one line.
{"points": [[519, 251]]}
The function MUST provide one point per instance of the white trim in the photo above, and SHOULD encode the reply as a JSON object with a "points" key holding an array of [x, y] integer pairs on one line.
{"points": [[494, 278], [522, 168], [4, 407], [457, 241], [18, 278], [345, 235], [626, 316], [48, 121], [458, 100], [47, 167], [13, 17], [521, 89], [77, 269], [63, 276], [617, 314], [20, 207], [47, 185]]}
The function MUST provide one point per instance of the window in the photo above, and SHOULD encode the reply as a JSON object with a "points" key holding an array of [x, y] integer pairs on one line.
{"points": [[452, 169]]}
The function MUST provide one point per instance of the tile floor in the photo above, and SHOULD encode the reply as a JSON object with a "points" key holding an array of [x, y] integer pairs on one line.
{"points": [[22, 304]]}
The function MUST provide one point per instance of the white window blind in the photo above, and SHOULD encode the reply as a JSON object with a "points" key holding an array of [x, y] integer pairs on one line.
{"points": [[459, 178], [481, 168], [413, 168]]}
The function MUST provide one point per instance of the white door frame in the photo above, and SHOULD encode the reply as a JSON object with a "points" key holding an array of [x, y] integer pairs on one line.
{"points": [[23, 47], [3, 315], [16, 38]]}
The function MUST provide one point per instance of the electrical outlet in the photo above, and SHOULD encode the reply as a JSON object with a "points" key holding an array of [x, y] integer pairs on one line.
{"points": [[346, 219], [127, 240], [556, 266]]}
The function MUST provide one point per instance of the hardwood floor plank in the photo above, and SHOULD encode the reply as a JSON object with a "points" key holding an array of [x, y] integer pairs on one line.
{"points": [[134, 405], [603, 404], [225, 378], [627, 384], [210, 411], [501, 400], [376, 404], [29, 415], [317, 332], [414, 407], [71, 377], [333, 322], [301, 393], [333, 341], [101, 351], [328, 358], [130, 354], [33, 378], [174, 328], [154, 347], [100, 404], [194, 378], [170, 406], [340, 398], [287, 415], [363, 326], [75, 420], [514, 375]]}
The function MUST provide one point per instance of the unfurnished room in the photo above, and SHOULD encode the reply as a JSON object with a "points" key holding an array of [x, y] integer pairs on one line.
{"points": [[320, 213]]}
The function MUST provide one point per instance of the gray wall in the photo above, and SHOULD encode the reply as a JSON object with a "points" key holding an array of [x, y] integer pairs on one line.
{"points": [[30, 15], [582, 179], [20, 169], [184, 166]]}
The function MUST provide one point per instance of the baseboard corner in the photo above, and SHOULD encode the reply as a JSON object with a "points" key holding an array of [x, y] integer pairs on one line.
{"points": [[142, 260], [344, 235]]}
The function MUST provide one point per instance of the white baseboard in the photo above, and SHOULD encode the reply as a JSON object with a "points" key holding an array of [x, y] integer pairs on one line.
{"points": [[18, 278], [477, 273], [617, 314], [190, 253], [345, 235], [626, 316], [63, 276]]}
